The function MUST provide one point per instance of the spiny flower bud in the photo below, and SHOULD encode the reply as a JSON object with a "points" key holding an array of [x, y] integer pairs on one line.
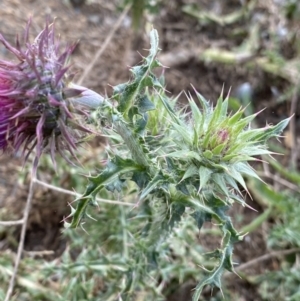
{"points": [[218, 146], [223, 135], [37, 99]]}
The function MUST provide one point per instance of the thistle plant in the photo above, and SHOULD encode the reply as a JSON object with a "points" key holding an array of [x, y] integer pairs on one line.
{"points": [[179, 162], [183, 162]]}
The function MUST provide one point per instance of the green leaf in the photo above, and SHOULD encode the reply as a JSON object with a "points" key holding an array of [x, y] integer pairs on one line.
{"points": [[176, 213], [141, 178], [128, 95], [201, 217], [237, 176], [213, 279], [195, 138], [273, 131], [191, 171], [235, 118], [246, 169], [144, 104], [154, 184], [119, 88], [132, 142], [216, 115], [224, 257], [154, 43], [140, 124], [116, 185], [230, 181], [169, 109], [151, 80], [220, 181], [208, 138], [218, 149], [204, 104], [197, 115], [208, 154], [224, 109], [237, 198], [241, 124], [229, 157], [184, 154], [204, 176], [251, 135], [256, 150], [184, 132], [114, 169]]}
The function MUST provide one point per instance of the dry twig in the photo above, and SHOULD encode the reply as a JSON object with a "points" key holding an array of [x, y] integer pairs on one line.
{"points": [[279, 180], [267, 256], [104, 45], [12, 223], [263, 258], [21, 242], [65, 191]]}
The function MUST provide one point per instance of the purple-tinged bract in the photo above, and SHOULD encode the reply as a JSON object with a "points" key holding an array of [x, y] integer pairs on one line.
{"points": [[35, 110]]}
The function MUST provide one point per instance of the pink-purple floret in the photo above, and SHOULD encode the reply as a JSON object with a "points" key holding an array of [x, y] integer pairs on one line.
{"points": [[34, 111]]}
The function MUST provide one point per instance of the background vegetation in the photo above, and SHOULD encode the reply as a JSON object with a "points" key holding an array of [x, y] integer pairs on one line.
{"points": [[248, 46]]}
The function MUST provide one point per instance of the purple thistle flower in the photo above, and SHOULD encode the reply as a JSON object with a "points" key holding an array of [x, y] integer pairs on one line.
{"points": [[37, 107]]}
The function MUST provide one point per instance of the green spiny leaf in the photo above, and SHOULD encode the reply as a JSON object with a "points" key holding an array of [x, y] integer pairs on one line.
{"points": [[252, 135], [225, 263], [129, 94], [220, 181], [237, 176], [115, 168], [154, 184], [197, 116], [224, 109], [204, 176], [230, 181], [208, 154], [144, 104], [191, 171], [184, 155], [140, 124], [241, 124], [246, 169], [169, 109], [176, 213], [273, 131], [183, 132], [201, 217], [256, 150], [218, 149], [237, 198], [216, 115], [235, 118], [195, 138], [204, 104], [154, 43]]}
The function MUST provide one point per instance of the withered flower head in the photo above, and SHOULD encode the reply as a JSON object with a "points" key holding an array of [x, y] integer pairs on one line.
{"points": [[37, 108]]}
